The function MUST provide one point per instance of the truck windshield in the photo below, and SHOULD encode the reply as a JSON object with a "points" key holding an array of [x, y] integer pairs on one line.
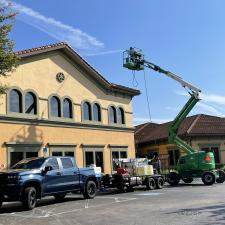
{"points": [[29, 164]]}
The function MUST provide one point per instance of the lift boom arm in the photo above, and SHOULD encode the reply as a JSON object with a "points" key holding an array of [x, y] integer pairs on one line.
{"points": [[134, 60]]}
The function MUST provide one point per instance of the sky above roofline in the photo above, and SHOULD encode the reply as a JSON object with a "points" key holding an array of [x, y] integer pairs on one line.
{"points": [[189, 40]]}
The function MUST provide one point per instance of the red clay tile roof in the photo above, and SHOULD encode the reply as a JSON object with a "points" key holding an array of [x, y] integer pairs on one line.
{"points": [[70, 51], [198, 125]]}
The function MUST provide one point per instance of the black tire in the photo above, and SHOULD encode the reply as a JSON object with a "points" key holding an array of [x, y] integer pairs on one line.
{"points": [[150, 184], [130, 189], [1, 204], [208, 178], [90, 190], [159, 183], [173, 178], [221, 177], [120, 187], [60, 197], [29, 198], [187, 180]]}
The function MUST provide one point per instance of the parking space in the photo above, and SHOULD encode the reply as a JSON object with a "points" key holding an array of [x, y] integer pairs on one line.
{"points": [[183, 204]]}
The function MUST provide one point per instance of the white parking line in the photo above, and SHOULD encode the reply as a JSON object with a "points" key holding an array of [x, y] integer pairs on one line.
{"points": [[49, 213], [148, 194]]}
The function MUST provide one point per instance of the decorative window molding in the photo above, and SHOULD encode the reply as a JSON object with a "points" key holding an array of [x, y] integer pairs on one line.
{"points": [[58, 106], [35, 103], [120, 115], [86, 111], [21, 111], [97, 112], [112, 114], [67, 113]]}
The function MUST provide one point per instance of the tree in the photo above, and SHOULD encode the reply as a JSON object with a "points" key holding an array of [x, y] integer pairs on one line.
{"points": [[8, 59]]}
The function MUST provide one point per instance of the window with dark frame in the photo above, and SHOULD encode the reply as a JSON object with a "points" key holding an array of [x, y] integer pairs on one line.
{"points": [[173, 157], [87, 111], [30, 103], [120, 116], [94, 157], [96, 112], [89, 158], [112, 114], [67, 108], [15, 101], [57, 153], [55, 107], [117, 154]]}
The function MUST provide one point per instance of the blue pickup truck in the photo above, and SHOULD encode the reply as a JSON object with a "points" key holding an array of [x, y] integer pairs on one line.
{"points": [[34, 178]]}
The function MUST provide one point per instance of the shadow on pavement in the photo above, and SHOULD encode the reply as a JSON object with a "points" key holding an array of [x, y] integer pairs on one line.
{"points": [[12, 207], [214, 212]]}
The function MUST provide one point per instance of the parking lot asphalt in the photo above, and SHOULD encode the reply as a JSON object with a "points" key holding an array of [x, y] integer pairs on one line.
{"points": [[183, 204]]}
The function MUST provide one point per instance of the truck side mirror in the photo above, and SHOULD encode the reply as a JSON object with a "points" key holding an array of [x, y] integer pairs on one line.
{"points": [[47, 169]]}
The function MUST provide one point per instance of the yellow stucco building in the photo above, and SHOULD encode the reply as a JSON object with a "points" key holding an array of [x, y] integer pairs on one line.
{"points": [[58, 104]]}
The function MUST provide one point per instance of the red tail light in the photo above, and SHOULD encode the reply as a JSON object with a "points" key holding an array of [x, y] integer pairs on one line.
{"points": [[207, 158]]}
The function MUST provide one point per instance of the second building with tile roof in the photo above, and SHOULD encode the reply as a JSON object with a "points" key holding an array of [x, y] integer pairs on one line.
{"points": [[203, 132]]}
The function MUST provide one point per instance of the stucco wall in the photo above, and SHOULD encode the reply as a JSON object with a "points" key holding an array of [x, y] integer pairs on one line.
{"points": [[39, 74]]}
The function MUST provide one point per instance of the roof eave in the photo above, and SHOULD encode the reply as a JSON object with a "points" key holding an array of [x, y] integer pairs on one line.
{"points": [[65, 48]]}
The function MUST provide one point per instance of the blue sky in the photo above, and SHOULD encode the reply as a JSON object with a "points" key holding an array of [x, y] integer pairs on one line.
{"points": [[185, 37]]}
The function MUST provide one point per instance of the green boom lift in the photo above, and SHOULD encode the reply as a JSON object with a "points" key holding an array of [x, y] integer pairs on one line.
{"points": [[194, 163]]}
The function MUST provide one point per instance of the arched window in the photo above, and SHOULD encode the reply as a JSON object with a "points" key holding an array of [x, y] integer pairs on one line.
{"points": [[67, 108], [55, 107], [30, 103], [120, 116], [15, 101], [87, 111], [96, 112], [112, 114]]}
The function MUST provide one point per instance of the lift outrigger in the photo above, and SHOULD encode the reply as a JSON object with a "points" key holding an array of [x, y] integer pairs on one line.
{"points": [[194, 163]]}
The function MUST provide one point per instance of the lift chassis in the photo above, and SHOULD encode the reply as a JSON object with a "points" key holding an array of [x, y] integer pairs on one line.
{"points": [[194, 163]]}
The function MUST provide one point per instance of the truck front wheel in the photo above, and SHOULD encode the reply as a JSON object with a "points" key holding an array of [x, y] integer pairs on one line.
{"points": [[29, 198], [208, 178], [90, 190]]}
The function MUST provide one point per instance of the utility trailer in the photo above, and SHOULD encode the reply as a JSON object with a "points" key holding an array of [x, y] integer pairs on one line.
{"points": [[133, 173]]}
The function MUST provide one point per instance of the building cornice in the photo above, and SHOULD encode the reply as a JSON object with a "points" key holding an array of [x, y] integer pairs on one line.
{"points": [[63, 124]]}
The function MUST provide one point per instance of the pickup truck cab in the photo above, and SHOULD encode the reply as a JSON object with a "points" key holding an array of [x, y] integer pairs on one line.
{"points": [[35, 178]]}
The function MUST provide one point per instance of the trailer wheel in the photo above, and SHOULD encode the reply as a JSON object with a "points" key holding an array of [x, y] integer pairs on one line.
{"points": [[187, 180], [221, 177], [159, 183], [130, 189], [150, 184], [173, 178], [208, 178], [120, 187]]}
